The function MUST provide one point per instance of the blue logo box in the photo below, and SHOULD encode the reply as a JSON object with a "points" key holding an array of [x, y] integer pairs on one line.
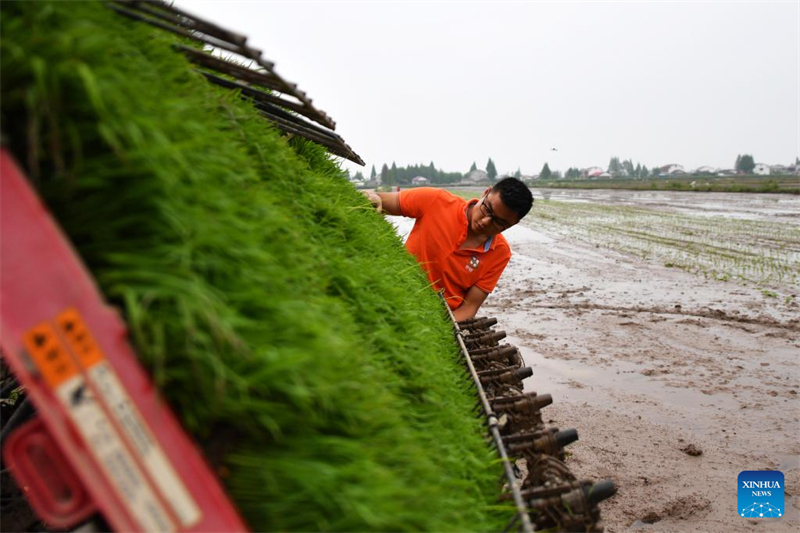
{"points": [[760, 494]]}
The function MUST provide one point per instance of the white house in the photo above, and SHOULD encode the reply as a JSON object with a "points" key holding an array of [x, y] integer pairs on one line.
{"points": [[761, 169], [592, 172], [673, 169], [705, 171], [778, 169], [476, 176], [419, 180]]}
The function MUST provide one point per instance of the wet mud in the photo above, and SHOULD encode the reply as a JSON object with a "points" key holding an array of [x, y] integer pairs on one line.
{"points": [[675, 383]]}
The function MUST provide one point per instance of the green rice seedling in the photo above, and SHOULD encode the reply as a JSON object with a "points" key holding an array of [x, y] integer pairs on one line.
{"points": [[752, 251], [283, 320]]}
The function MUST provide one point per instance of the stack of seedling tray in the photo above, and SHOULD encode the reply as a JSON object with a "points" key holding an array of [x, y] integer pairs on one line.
{"points": [[278, 314]]}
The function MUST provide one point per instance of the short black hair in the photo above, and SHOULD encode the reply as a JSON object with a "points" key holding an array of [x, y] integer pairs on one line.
{"points": [[515, 195]]}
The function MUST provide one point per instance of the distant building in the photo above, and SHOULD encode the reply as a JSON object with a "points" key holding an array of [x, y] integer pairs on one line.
{"points": [[761, 169], [476, 176], [779, 169], [705, 171], [419, 180], [673, 169], [592, 172]]}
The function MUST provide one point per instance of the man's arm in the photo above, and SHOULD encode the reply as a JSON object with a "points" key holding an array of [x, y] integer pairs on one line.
{"points": [[384, 202], [390, 201], [472, 302]]}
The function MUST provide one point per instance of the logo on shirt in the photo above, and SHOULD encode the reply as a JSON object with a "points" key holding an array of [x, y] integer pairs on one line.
{"points": [[473, 263]]}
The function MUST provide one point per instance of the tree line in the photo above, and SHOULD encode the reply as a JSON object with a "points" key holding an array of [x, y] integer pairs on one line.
{"points": [[394, 175]]}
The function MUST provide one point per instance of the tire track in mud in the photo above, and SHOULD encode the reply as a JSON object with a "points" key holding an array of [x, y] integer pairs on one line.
{"points": [[715, 314]]}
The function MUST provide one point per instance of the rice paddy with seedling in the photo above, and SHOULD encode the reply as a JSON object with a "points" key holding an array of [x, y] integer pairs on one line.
{"points": [[282, 318], [761, 252], [754, 251]]}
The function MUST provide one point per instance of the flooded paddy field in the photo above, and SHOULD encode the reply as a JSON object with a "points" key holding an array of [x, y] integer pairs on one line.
{"points": [[667, 328], [664, 324]]}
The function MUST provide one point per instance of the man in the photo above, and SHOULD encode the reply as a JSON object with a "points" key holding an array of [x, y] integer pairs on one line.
{"points": [[458, 242]]}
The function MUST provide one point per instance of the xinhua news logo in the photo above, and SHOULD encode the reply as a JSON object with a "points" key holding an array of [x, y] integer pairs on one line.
{"points": [[761, 494]]}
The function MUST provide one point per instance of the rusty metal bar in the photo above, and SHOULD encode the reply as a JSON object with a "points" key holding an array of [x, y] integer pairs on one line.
{"points": [[340, 149], [275, 108], [262, 79], [217, 34], [261, 96], [176, 15], [209, 40]]}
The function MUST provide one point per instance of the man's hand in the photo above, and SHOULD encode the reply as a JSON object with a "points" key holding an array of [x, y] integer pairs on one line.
{"points": [[472, 302], [374, 199], [384, 202]]}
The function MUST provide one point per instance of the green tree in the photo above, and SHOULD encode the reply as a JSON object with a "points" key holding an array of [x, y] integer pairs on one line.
{"points": [[738, 165], [359, 176], [491, 170], [545, 174], [385, 175], [518, 173], [373, 173], [615, 167], [644, 172], [473, 167], [745, 163], [628, 167]]}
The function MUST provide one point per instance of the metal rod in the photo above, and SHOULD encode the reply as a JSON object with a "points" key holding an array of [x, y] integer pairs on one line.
{"points": [[522, 511], [180, 17], [209, 40], [174, 20], [262, 96], [266, 79], [342, 150]]}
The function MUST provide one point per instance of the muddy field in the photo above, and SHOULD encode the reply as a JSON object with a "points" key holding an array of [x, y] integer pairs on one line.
{"points": [[675, 379]]}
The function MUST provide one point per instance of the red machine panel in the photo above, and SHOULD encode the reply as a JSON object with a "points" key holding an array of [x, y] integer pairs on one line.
{"points": [[103, 440]]}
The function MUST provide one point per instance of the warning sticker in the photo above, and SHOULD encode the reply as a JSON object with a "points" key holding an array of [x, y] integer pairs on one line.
{"points": [[152, 456], [112, 393], [72, 363], [112, 455], [78, 338], [46, 350]]}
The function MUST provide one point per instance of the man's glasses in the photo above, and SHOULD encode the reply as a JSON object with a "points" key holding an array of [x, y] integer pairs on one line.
{"points": [[487, 211]]}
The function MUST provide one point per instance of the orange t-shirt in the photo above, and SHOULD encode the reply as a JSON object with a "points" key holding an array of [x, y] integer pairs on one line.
{"points": [[439, 230]]}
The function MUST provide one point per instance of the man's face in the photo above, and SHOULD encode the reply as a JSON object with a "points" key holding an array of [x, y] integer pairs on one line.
{"points": [[490, 215]]}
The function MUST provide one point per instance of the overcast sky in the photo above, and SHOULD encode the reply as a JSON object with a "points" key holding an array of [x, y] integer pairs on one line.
{"points": [[694, 83]]}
